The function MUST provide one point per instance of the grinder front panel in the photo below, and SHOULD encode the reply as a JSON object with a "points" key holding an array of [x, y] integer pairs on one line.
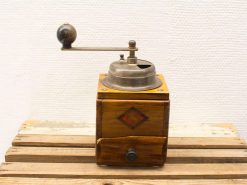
{"points": [[133, 118]]}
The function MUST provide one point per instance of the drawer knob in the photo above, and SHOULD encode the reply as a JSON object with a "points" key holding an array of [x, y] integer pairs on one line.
{"points": [[131, 155]]}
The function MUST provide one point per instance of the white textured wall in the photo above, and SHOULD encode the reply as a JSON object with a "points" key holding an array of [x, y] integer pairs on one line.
{"points": [[200, 46]]}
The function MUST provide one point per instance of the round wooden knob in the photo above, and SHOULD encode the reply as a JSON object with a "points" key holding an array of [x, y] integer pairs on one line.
{"points": [[66, 34], [131, 155]]}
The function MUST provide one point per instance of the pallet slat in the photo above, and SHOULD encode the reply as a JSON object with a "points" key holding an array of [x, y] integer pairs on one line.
{"points": [[54, 140], [87, 155], [52, 181], [80, 128], [62, 156], [91, 170], [89, 141]]}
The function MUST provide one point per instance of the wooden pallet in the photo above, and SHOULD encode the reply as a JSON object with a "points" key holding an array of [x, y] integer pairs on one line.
{"points": [[55, 153]]}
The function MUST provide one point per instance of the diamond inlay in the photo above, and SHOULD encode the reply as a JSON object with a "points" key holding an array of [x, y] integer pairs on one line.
{"points": [[132, 117]]}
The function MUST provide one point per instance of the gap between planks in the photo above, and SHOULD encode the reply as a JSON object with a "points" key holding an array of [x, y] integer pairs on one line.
{"points": [[91, 170], [87, 155], [52, 181], [89, 141]]}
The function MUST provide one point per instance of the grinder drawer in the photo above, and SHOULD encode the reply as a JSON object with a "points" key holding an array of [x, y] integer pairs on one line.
{"points": [[131, 151]]}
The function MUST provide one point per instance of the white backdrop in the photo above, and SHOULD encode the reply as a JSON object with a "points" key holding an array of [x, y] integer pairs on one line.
{"points": [[200, 46]]}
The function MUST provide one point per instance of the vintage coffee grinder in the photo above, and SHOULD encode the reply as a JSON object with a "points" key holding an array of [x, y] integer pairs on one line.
{"points": [[132, 108]]}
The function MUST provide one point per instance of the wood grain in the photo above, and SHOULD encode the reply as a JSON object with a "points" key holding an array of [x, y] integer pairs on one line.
{"points": [[151, 151], [54, 140], [154, 110], [87, 155], [91, 170], [47, 127], [60, 181], [89, 141], [50, 155], [99, 114]]}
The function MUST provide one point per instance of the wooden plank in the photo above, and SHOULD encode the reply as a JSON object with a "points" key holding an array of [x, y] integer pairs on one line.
{"points": [[82, 155], [89, 141], [91, 170], [52, 181], [57, 127], [53, 140], [80, 128], [50, 155], [217, 143], [202, 130]]}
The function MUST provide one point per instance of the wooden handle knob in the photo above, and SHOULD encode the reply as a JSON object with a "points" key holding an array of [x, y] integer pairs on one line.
{"points": [[66, 34]]}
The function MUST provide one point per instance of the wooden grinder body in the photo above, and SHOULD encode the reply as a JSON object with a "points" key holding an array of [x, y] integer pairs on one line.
{"points": [[132, 126]]}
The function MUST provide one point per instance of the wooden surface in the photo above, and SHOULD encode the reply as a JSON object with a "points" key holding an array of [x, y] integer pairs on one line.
{"points": [[154, 94], [89, 141], [81, 155], [71, 181], [92, 170], [218, 130], [70, 159], [157, 113]]}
